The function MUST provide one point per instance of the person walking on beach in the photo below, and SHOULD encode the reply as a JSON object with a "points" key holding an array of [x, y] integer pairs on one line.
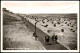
{"points": [[53, 38], [56, 37], [36, 37], [46, 39]]}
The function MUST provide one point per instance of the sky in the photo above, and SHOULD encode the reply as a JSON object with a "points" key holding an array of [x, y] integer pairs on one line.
{"points": [[30, 7]]}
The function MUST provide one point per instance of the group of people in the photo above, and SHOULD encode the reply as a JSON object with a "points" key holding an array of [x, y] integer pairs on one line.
{"points": [[53, 38], [47, 38]]}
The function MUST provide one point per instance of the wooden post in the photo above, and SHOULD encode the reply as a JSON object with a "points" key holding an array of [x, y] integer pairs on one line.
{"points": [[35, 28]]}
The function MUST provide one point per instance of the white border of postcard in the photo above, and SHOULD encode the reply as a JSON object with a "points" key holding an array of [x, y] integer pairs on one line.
{"points": [[39, 50]]}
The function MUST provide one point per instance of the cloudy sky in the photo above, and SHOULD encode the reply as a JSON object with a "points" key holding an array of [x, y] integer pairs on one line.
{"points": [[41, 6]]}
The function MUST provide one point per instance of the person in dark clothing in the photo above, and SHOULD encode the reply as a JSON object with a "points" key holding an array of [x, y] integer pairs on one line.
{"points": [[46, 39], [56, 38], [34, 34], [53, 38]]}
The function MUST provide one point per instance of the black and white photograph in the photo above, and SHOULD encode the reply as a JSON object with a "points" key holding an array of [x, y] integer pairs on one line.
{"points": [[40, 26]]}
